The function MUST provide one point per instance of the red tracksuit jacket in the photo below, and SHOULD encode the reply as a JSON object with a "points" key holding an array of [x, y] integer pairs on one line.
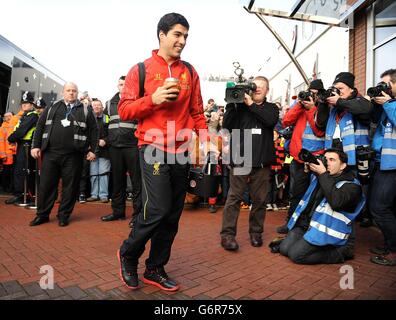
{"points": [[298, 116], [186, 111]]}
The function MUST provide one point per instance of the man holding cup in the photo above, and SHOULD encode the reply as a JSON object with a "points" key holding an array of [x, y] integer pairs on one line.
{"points": [[168, 106]]}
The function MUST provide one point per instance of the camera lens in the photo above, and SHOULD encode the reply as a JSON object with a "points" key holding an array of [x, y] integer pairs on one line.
{"points": [[372, 92], [377, 90], [304, 95]]}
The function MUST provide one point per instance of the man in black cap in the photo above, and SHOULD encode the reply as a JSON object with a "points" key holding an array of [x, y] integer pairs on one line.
{"points": [[345, 117], [305, 135], [22, 136]]}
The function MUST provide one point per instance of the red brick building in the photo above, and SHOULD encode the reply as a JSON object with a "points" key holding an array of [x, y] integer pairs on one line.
{"points": [[372, 41]]}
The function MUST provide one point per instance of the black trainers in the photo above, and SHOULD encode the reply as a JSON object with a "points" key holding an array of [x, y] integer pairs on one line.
{"points": [[158, 277], [212, 208], [82, 198], [128, 272], [14, 199]]}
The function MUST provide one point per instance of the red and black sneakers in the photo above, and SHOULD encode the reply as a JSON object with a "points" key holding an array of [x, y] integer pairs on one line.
{"points": [[128, 272], [158, 277]]}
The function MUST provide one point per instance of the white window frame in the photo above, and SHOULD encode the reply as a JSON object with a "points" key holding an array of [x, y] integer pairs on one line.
{"points": [[372, 46]]}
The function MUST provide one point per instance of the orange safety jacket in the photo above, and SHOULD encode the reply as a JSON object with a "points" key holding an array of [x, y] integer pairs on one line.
{"points": [[7, 150]]}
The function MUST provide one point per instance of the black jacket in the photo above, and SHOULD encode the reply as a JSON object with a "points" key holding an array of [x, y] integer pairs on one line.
{"points": [[85, 129], [121, 133], [103, 134], [345, 198], [358, 106], [260, 120]]}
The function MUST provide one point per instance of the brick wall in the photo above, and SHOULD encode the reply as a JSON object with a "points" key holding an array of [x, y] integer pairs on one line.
{"points": [[357, 50]]}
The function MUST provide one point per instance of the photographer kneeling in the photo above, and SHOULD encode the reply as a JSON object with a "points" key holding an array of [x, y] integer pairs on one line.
{"points": [[321, 229]]}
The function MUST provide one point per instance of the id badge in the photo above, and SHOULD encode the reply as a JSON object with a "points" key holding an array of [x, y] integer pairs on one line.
{"points": [[65, 123], [256, 131]]}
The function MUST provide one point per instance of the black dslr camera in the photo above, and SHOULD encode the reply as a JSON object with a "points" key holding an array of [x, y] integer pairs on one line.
{"points": [[287, 132], [304, 95], [363, 157], [377, 90], [236, 94], [324, 94], [307, 156]]}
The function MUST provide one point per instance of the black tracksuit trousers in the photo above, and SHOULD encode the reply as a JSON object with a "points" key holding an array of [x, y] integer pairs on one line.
{"points": [[163, 193]]}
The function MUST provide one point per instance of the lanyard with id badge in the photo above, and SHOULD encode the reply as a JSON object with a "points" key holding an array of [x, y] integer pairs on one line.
{"points": [[66, 122]]}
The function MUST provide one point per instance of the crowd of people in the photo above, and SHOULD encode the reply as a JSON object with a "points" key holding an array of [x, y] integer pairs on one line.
{"points": [[329, 158]]}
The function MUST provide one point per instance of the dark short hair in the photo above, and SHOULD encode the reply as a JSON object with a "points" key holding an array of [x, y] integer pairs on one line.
{"points": [[169, 20], [96, 99], [391, 73], [341, 154], [122, 78]]}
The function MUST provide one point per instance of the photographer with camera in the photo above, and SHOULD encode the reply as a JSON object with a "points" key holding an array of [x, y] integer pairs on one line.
{"points": [[383, 188], [305, 135], [345, 116], [321, 230], [257, 118]]}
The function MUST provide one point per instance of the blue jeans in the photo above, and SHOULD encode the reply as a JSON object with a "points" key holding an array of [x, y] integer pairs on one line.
{"points": [[383, 205], [246, 197], [99, 172]]}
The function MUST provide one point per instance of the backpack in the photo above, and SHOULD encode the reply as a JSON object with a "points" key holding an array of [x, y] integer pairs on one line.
{"points": [[142, 75]]}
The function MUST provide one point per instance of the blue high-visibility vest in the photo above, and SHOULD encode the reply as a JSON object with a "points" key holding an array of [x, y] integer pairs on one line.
{"points": [[327, 226], [310, 141], [384, 141], [353, 134]]}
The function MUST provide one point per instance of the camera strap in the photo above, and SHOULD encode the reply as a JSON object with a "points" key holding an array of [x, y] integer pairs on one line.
{"points": [[142, 78]]}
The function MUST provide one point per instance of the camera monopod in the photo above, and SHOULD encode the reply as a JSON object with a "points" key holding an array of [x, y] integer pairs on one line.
{"points": [[26, 147], [36, 185]]}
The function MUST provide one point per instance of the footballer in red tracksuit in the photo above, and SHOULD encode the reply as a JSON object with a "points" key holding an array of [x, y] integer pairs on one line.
{"points": [[164, 128]]}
